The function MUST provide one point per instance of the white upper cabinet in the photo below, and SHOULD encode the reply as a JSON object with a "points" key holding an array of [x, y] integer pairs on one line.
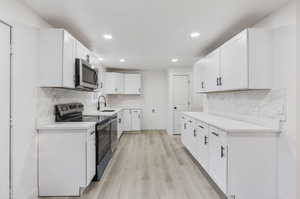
{"points": [[212, 71], [68, 60], [57, 58], [82, 52], [96, 63], [199, 76], [234, 60], [114, 83], [242, 63], [132, 84], [122, 83]]}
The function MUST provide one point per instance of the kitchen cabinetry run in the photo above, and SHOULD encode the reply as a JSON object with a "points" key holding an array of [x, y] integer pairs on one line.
{"points": [[123, 83], [132, 119], [241, 162], [66, 161], [242, 63]]}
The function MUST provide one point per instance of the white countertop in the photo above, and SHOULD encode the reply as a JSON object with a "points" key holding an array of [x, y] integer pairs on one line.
{"points": [[68, 125], [229, 125], [100, 113], [115, 108]]}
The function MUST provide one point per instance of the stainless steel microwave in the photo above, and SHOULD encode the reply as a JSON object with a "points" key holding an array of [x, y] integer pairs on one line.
{"points": [[86, 77]]}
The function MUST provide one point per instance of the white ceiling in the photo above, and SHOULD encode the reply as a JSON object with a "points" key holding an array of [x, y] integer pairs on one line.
{"points": [[149, 33]]}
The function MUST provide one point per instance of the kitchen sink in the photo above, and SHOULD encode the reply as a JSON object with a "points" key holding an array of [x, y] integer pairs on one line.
{"points": [[108, 111]]}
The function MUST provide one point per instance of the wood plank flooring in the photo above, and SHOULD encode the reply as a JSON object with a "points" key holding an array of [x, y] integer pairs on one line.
{"points": [[151, 165]]}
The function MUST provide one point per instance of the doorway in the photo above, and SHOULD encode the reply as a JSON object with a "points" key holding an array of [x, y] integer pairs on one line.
{"points": [[5, 107], [180, 99]]}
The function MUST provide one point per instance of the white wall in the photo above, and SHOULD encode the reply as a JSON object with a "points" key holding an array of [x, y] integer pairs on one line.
{"points": [[25, 38], [263, 107], [154, 86], [31, 105]]}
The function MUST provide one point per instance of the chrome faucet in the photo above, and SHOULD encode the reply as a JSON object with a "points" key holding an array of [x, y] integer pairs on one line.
{"points": [[105, 102]]}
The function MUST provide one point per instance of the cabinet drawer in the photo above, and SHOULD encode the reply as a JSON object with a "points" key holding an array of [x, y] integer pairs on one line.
{"points": [[203, 127], [222, 135]]}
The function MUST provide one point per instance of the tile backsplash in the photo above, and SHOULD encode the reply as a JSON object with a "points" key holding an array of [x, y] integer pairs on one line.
{"points": [[48, 97], [264, 107]]}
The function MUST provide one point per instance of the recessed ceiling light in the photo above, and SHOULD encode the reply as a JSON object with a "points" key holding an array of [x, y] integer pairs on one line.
{"points": [[174, 60], [107, 36], [122, 60], [195, 34], [100, 59]]}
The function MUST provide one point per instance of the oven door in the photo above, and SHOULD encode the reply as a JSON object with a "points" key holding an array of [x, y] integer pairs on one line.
{"points": [[86, 76], [114, 133], [103, 148]]}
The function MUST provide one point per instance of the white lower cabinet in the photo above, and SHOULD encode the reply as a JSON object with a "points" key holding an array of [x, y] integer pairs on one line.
{"points": [[136, 119], [201, 145], [243, 165], [218, 158], [91, 156], [132, 119], [66, 161]]}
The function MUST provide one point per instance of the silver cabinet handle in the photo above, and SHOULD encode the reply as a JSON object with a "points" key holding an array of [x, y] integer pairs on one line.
{"points": [[92, 133], [205, 140], [222, 152], [215, 134]]}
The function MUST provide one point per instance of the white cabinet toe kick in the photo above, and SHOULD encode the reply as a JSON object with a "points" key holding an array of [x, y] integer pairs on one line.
{"points": [[240, 158]]}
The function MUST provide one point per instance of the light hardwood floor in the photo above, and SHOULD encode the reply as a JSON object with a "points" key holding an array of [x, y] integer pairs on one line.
{"points": [[151, 165]]}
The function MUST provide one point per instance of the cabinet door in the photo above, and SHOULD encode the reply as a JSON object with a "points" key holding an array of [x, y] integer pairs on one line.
{"points": [[120, 83], [81, 51], [69, 51], [114, 83], [132, 83], [202, 146], [200, 76], [212, 71], [234, 63], [91, 157], [136, 120], [110, 83], [190, 136], [218, 158], [127, 120], [101, 79]]}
